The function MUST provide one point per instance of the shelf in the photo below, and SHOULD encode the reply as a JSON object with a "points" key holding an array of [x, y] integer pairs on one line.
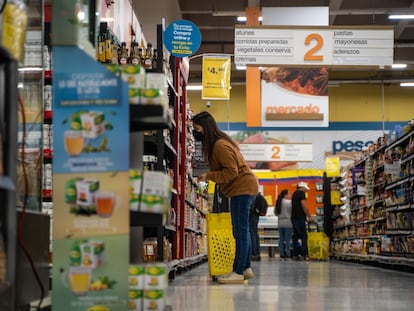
{"points": [[399, 208], [400, 140], [145, 219], [5, 291], [148, 117], [399, 182], [6, 183], [395, 260]]}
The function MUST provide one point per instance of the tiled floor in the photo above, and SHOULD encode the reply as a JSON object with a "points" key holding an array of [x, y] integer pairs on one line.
{"points": [[293, 285]]}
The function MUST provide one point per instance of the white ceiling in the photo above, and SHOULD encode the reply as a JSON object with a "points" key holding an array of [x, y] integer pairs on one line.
{"points": [[216, 20]]}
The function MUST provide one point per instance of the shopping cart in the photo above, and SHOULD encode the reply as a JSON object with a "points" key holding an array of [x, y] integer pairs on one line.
{"points": [[221, 244], [318, 243]]}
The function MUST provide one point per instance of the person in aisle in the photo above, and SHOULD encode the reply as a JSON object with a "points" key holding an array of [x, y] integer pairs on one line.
{"points": [[257, 209], [300, 214], [230, 171], [283, 210]]}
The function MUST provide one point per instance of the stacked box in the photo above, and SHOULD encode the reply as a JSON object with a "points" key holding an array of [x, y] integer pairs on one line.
{"points": [[147, 286], [134, 75], [155, 286], [135, 179], [155, 90], [156, 192], [136, 287]]}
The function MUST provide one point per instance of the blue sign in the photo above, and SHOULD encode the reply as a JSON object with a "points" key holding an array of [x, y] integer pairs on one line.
{"points": [[182, 38]]}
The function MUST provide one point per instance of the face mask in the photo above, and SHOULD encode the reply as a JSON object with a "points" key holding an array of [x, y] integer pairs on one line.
{"points": [[198, 135]]}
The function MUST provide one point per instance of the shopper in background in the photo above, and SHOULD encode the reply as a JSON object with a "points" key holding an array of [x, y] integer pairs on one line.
{"points": [[300, 215], [258, 208], [230, 171], [283, 210]]}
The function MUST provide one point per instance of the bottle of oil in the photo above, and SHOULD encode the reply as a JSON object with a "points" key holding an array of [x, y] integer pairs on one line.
{"points": [[114, 53], [135, 58], [108, 47], [148, 56], [123, 58], [154, 58]]}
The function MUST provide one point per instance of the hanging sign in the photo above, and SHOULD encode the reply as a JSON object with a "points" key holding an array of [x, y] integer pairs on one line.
{"points": [[182, 38], [323, 46], [276, 152], [332, 167], [216, 77]]}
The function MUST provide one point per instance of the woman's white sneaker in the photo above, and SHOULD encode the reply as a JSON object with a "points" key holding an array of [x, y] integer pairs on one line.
{"points": [[231, 278], [248, 273]]}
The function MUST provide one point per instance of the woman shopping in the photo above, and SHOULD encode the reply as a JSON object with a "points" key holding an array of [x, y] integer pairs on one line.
{"points": [[283, 211], [230, 171]]}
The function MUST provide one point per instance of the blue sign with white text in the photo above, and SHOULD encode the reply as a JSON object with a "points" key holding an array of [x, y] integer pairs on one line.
{"points": [[182, 38]]}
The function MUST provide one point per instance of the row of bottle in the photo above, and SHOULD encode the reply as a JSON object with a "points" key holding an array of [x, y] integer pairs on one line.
{"points": [[109, 51]]}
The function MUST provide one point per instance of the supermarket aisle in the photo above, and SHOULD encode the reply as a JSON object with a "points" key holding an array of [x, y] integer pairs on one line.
{"points": [[292, 285]]}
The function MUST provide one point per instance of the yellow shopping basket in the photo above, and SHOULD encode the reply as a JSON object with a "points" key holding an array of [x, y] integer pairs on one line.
{"points": [[221, 244], [318, 244]]}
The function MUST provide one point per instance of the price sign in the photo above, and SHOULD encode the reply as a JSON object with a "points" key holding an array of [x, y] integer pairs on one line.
{"points": [[319, 46], [276, 152]]}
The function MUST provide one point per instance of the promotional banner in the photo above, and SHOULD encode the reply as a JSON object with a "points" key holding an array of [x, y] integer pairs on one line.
{"points": [[216, 77], [90, 184]]}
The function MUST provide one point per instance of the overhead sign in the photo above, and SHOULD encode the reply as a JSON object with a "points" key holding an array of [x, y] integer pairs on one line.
{"points": [[182, 38], [318, 46], [277, 152]]}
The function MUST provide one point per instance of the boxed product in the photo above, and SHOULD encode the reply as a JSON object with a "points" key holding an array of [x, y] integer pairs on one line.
{"points": [[154, 299], [156, 276], [156, 183], [156, 192], [134, 75], [155, 89], [135, 301], [136, 276], [135, 179]]}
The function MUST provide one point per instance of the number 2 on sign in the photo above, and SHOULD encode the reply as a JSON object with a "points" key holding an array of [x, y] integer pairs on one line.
{"points": [[275, 152], [311, 54]]}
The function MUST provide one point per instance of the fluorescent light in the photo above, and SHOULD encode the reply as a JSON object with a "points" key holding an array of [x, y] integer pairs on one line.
{"points": [[401, 16], [240, 67], [194, 87], [407, 84], [399, 66], [30, 69], [244, 18]]}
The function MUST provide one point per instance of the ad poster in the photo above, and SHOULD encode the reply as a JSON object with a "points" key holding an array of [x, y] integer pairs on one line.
{"points": [[90, 185], [295, 97]]}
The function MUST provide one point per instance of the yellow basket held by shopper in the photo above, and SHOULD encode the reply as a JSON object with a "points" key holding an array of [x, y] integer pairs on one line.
{"points": [[318, 244], [221, 244]]}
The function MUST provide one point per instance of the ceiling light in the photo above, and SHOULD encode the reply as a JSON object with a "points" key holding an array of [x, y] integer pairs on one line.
{"points": [[194, 87], [407, 84], [399, 66], [244, 18], [401, 16], [240, 67], [30, 69]]}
